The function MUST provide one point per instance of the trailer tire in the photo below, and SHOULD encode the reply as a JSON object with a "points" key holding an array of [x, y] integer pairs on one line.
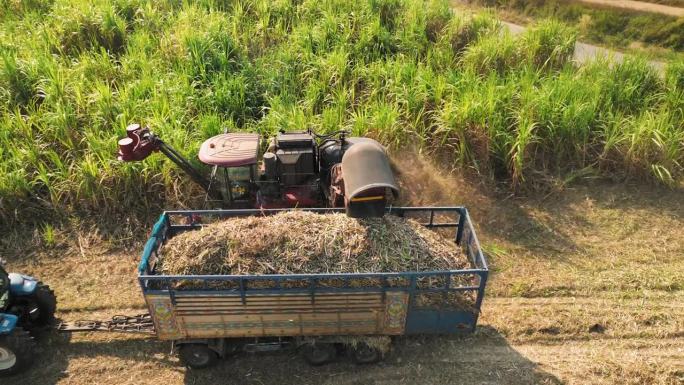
{"points": [[363, 354], [44, 298], [197, 356], [16, 352], [319, 353]]}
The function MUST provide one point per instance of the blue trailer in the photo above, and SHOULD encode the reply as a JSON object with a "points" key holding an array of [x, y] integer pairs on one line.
{"points": [[209, 316]]}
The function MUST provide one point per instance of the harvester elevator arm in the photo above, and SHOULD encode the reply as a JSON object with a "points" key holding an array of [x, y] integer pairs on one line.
{"points": [[189, 169]]}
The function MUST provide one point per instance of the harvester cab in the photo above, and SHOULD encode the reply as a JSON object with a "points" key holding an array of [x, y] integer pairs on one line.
{"points": [[296, 169]]}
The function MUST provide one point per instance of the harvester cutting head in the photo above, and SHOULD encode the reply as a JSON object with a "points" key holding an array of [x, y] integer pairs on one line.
{"points": [[297, 169], [138, 144]]}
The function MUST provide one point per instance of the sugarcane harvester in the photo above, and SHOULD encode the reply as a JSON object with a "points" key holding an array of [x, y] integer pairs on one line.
{"points": [[297, 169]]}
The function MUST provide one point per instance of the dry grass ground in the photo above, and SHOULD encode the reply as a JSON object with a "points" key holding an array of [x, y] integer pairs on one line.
{"points": [[588, 288]]}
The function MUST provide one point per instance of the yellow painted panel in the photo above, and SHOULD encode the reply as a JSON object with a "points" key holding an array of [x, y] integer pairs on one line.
{"points": [[166, 324], [396, 307]]}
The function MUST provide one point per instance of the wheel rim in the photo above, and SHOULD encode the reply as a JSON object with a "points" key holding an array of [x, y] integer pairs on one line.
{"points": [[365, 354], [319, 354], [7, 359], [199, 358]]}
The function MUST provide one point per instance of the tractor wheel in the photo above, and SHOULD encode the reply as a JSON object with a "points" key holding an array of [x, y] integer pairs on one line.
{"points": [[197, 356], [364, 354], [319, 353], [45, 300], [16, 352]]}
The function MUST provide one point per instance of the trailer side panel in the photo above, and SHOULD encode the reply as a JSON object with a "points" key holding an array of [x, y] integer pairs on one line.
{"points": [[259, 315]]}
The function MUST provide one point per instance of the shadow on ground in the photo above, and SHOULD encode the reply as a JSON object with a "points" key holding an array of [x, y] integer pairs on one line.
{"points": [[482, 358], [55, 351]]}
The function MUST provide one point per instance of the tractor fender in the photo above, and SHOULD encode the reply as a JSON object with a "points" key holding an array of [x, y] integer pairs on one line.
{"points": [[22, 284], [7, 323]]}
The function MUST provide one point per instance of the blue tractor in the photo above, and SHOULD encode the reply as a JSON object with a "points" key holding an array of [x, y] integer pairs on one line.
{"points": [[26, 305]]}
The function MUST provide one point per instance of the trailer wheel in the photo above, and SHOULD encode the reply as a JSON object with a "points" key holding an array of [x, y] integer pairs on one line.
{"points": [[46, 302], [197, 356], [364, 354], [319, 353], [16, 352]]}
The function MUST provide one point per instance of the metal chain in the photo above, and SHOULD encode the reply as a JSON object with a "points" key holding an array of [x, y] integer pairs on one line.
{"points": [[141, 323]]}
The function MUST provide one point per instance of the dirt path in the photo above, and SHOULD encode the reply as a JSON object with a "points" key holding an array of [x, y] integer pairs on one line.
{"points": [[638, 6], [585, 53]]}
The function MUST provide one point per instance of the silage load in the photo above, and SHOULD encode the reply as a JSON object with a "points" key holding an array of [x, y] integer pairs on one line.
{"points": [[296, 242]]}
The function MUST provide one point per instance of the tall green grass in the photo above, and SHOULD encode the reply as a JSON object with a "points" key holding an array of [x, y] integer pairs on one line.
{"points": [[73, 74]]}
